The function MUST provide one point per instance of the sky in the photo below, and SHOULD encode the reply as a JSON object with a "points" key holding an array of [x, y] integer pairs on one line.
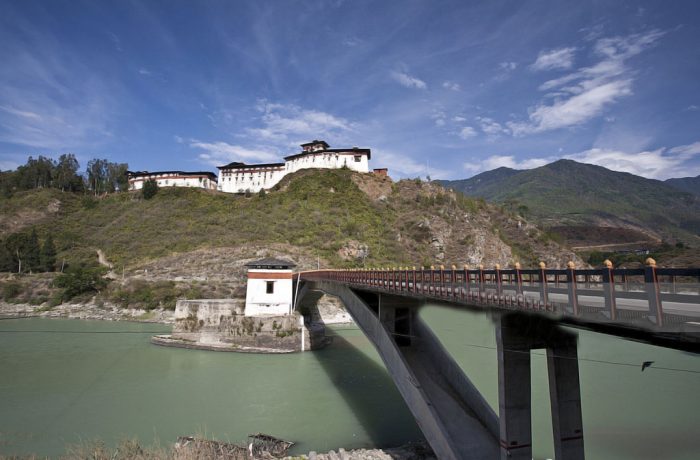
{"points": [[441, 88]]}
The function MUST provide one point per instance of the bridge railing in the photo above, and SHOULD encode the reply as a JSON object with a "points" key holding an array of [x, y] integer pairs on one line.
{"points": [[662, 296]]}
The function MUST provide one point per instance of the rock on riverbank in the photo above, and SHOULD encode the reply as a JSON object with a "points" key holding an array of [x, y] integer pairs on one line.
{"points": [[412, 451]]}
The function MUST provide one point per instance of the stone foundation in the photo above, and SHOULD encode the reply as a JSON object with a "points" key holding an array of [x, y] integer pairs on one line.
{"points": [[220, 325]]}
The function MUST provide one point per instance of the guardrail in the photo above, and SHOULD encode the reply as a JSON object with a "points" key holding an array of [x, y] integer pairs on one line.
{"points": [[617, 294]]}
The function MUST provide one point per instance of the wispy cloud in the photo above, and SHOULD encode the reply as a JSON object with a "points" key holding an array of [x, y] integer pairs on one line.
{"points": [[219, 153], [586, 93], [408, 81], [490, 126], [556, 59], [507, 161], [662, 163], [404, 167], [451, 85], [467, 132], [508, 66], [286, 124], [144, 71]]}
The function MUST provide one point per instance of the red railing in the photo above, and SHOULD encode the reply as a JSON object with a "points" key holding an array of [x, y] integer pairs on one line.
{"points": [[620, 294]]}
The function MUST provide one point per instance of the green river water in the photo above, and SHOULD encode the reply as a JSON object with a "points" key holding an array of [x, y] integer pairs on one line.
{"points": [[97, 379]]}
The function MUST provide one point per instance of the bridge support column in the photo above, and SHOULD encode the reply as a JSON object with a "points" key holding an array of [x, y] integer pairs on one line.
{"points": [[565, 397], [516, 336], [514, 409]]}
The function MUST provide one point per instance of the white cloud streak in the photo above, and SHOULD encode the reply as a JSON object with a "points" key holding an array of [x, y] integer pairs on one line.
{"points": [[408, 81], [220, 153], [467, 132], [585, 94], [556, 59]]}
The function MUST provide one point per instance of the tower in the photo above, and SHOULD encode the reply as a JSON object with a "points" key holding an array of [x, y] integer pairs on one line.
{"points": [[269, 289]]}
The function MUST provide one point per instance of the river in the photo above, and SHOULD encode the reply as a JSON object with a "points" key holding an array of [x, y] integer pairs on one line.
{"points": [[62, 381]]}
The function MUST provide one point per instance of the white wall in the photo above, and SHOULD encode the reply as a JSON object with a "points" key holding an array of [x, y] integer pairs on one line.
{"points": [[173, 181], [258, 302], [328, 160], [238, 181]]}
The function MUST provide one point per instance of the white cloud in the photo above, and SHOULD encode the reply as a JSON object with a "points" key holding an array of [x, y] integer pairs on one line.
{"points": [[556, 59], [408, 81], [287, 124], [21, 113], [662, 163], [586, 93], [490, 126], [686, 151], [402, 166], [508, 66], [467, 132], [458, 119], [439, 122], [146, 72], [507, 161], [219, 153], [451, 85], [692, 108]]}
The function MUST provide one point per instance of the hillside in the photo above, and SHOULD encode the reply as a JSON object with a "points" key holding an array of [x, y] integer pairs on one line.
{"points": [[194, 243], [686, 184], [572, 198]]}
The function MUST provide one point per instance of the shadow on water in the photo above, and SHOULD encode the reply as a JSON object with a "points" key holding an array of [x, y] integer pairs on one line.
{"points": [[364, 383]]}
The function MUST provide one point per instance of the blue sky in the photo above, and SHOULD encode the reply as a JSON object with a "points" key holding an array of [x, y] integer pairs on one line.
{"points": [[450, 88]]}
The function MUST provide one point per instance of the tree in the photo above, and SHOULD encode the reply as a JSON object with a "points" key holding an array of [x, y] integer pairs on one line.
{"points": [[32, 253], [36, 173], [117, 177], [97, 175], [66, 174], [48, 255], [149, 190], [7, 263]]}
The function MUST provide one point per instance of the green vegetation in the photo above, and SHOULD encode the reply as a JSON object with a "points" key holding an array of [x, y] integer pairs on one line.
{"points": [[150, 295], [81, 279], [149, 190]]}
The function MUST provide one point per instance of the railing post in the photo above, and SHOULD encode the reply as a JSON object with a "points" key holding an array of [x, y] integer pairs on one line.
{"points": [[431, 285], [414, 278], [518, 278], [499, 285], [544, 295], [571, 286], [453, 282], [442, 281], [609, 289], [481, 282], [651, 281], [465, 292]]}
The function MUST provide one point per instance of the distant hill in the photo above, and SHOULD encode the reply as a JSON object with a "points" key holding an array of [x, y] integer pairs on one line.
{"points": [[686, 184], [567, 195]]}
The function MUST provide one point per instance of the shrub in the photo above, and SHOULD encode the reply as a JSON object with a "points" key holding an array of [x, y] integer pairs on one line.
{"points": [[11, 290], [149, 190], [80, 279]]}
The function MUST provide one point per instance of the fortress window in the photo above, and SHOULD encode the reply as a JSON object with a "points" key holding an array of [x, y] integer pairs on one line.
{"points": [[270, 287], [358, 158]]}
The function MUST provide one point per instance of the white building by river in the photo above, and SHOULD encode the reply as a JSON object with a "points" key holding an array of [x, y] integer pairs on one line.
{"points": [[239, 177], [269, 290], [200, 179]]}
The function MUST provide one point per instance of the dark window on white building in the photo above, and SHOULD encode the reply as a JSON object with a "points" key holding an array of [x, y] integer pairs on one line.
{"points": [[270, 288]]}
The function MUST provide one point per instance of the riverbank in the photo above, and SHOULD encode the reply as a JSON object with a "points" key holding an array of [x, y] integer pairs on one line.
{"points": [[106, 312]]}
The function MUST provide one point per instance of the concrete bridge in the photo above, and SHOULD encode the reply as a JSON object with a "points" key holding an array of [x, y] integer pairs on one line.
{"points": [[653, 305]]}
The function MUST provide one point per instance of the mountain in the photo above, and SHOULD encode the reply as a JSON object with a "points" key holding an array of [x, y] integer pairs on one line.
{"points": [[686, 184], [590, 205]]}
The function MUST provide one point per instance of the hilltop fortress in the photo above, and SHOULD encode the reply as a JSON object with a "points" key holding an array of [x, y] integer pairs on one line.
{"points": [[237, 177]]}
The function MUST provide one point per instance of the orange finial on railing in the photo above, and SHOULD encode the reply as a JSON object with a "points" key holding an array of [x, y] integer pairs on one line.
{"points": [[517, 265], [570, 264], [607, 263], [543, 265], [650, 262]]}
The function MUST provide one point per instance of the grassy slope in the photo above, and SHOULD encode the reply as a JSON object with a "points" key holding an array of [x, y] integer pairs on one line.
{"points": [[317, 211]]}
